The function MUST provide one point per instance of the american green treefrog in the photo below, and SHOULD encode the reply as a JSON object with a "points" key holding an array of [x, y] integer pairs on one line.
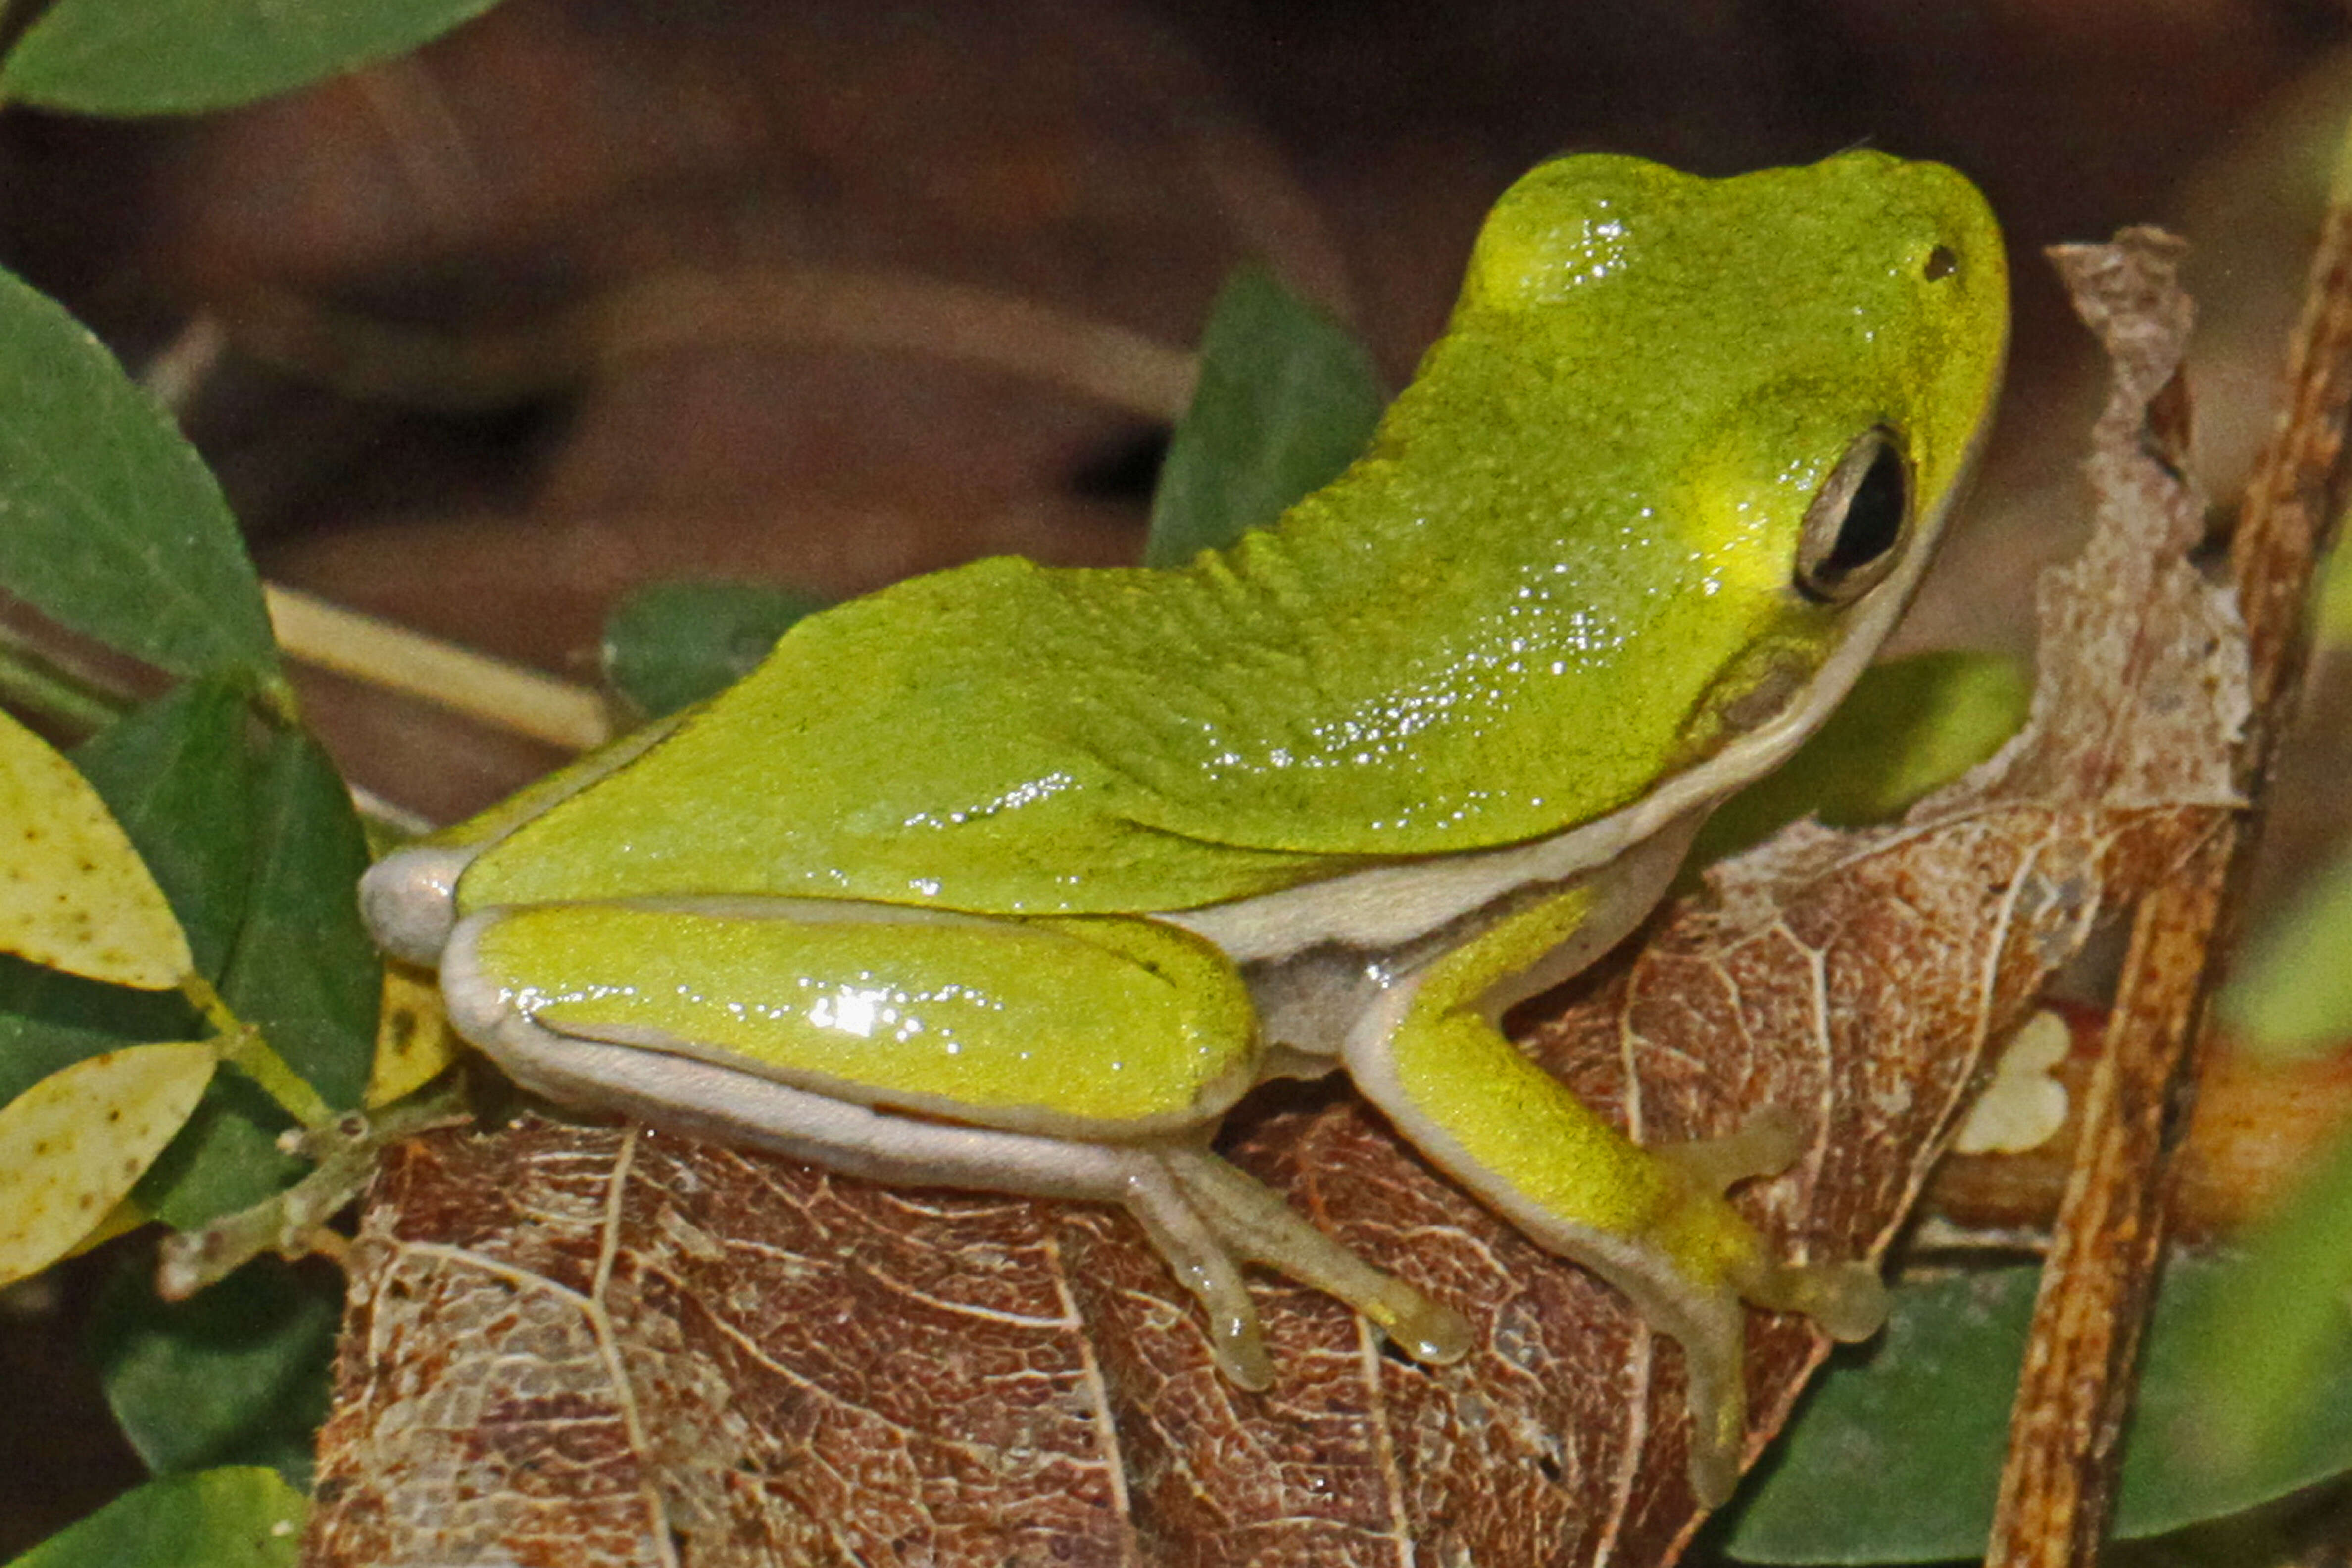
{"points": [[1016, 878]]}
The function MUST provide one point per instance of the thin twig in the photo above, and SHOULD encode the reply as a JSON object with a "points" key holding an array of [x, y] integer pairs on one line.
{"points": [[893, 311], [345, 1151], [175, 376], [2058, 1489], [391, 656]]}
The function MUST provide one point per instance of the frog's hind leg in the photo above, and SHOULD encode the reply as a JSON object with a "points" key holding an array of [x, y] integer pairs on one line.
{"points": [[1201, 1214], [726, 1105]]}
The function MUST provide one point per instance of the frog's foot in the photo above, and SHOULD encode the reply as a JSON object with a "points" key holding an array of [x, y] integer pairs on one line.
{"points": [[1255, 1222], [1845, 1298], [1846, 1301], [1718, 1261], [1202, 1264]]}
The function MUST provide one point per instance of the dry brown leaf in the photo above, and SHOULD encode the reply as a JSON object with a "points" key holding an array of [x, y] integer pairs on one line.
{"points": [[593, 1346]]}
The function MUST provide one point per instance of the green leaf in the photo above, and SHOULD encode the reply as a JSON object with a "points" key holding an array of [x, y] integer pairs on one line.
{"points": [[304, 968], [2271, 1349], [242, 1518], [32, 1048], [1287, 398], [114, 526], [262, 871], [2292, 993], [1909, 727], [226, 1159], [1896, 1457], [671, 644], [178, 775], [179, 57], [239, 1374], [45, 1017]]}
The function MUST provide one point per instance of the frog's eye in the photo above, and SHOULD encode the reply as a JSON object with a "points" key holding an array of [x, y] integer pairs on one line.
{"points": [[1854, 530]]}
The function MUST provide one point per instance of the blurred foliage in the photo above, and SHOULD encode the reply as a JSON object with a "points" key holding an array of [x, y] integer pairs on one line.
{"points": [[178, 57], [1287, 398]]}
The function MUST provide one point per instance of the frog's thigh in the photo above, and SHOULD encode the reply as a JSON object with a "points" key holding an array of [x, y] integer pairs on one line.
{"points": [[1103, 1028], [1651, 1222], [695, 1018]]}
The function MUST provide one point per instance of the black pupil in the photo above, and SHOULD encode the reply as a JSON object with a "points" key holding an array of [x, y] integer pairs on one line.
{"points": [[1873, 519]]}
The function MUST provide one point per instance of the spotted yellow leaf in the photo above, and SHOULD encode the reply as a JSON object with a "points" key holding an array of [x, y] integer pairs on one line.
{"points": [[413, 1038], [72, 1145], [74, 894], [120, 1220]]}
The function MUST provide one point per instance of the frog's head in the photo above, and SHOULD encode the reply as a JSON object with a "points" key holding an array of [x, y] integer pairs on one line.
{"points": [[1774, 384]]}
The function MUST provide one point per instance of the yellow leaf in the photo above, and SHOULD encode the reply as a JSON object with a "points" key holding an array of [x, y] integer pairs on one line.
{"points": [[72, 1145], [120, 1220], [413, 1038], [74, 895]]}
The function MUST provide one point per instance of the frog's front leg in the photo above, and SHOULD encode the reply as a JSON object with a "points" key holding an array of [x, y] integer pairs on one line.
{"points": [[1070, 1058], [1651, 1222]]}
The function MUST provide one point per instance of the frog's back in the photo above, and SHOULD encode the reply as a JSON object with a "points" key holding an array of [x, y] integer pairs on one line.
{"points": [[1454, 646], [1005, 736], [989, 737]]}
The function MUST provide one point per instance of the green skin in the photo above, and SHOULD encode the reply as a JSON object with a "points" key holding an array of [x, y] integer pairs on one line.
{"points": [[1068, 861]]}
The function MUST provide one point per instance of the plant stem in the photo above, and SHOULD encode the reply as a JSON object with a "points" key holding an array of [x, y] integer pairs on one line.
{"points": [[391, 656], [242, 1047]]}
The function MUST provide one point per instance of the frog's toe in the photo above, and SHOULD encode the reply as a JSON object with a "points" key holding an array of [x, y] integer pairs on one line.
{"points": [[1847, 1299], [1252, 1220], [1239, 1345], [1708, 1325], [1204, 1264], [1430, 1331], [1768, 1145], [1714, 1469]]}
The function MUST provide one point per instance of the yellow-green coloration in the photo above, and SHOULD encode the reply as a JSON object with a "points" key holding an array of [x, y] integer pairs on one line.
{"points": [[1121, 843], [72, 1145], [969, 1016], [1509, 1115], [74, 894], [1584, 504]]}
